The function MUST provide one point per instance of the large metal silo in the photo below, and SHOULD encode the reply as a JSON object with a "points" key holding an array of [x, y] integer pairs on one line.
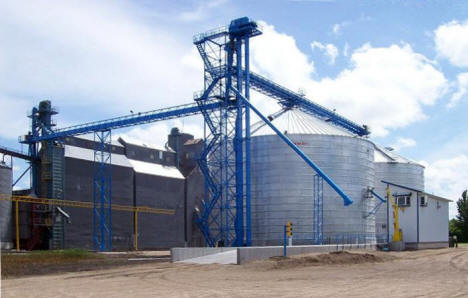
{"points": [[282, 183], [5, 206], [392, 167]]}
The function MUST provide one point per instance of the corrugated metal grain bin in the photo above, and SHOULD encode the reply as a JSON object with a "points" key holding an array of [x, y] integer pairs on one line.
{"points": [[282, 183], [392, 167]]}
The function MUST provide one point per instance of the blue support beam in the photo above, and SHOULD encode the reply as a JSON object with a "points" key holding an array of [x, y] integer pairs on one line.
{"points": [[347, 200], [248, 213], [238, 144], [378, 197]]}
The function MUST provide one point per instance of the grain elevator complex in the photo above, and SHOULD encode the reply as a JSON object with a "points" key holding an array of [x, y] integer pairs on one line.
{"points": [[237, 186]]}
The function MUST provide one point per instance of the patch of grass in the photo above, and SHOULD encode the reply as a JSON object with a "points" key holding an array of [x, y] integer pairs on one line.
{"points": [[24, 263], [63, 254], [49, 256]]}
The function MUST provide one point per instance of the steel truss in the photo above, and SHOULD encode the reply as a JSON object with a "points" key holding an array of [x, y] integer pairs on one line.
{"points": [[225, 161]]}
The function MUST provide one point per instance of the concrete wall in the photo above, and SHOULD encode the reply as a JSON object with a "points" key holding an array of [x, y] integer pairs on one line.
{"points": [[184, 253], [249, 254]]}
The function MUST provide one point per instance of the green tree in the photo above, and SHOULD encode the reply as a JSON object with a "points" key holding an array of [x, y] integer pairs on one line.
{"points": [[453, 228], [461, 222]]}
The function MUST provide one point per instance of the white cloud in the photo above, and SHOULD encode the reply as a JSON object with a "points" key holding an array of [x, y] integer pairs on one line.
{"points": [[96, 54], [384, 87], [452, 43], [201, 11], [277, 56], [338, 27], [330, 50], [462, 89], [448, 178], [346, 50], [404, 143]]}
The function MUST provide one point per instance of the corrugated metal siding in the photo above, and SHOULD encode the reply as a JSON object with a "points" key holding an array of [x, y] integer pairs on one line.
{"points": [[282, 186], [407, 174], [155, 230], [78, 186], [6, 180]]}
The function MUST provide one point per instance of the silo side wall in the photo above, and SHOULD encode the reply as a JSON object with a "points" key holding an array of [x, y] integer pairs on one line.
{"points": [[6, 180], [195, 191], [160, 230], [79, 187], [282, 187], [407, 174]]}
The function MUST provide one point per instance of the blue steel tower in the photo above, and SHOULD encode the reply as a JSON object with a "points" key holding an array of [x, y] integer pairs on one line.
{"points": [[227, 174]]}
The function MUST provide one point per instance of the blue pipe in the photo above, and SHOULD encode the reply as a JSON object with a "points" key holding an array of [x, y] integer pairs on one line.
{"points": [[347, 200], [377, 196]]}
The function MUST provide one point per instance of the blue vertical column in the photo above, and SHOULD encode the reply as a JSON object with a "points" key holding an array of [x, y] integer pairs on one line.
{"points": [[33, 152], [225, 133], [102, 204], [247, 143], [238, 143]]}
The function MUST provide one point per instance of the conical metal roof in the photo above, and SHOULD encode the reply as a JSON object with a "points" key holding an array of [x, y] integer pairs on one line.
{"points": [[295, 121], [382, 154]]}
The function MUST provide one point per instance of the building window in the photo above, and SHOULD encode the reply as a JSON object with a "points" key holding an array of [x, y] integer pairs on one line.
{"points": [[151, 156], [160, 155], [404, 201], [423, 202]]}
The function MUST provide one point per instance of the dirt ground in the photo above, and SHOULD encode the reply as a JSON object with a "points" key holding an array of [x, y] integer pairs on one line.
{"points": [[428, 273], [14, 265]]}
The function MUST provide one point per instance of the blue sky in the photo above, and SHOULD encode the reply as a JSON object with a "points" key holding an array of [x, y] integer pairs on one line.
{"points": [[399, 66]]}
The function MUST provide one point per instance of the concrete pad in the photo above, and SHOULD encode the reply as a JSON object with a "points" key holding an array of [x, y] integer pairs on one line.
{"points": [[226, 257], [184, 253], [397, 245], [242, 255]]}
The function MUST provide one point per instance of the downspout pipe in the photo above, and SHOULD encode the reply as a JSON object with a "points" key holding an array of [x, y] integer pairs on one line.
{"points": [[347, 200]]}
